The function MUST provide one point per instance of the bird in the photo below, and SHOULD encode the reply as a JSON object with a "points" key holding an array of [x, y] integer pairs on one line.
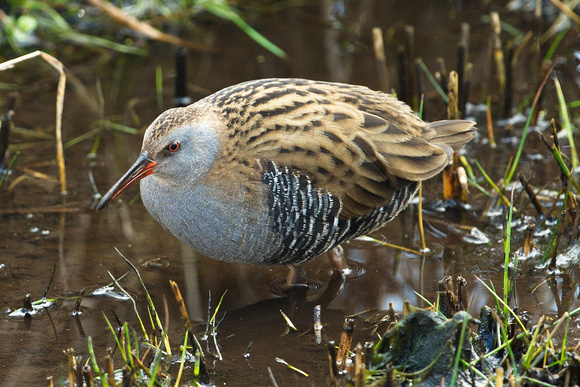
{"points": [[282, 170]]}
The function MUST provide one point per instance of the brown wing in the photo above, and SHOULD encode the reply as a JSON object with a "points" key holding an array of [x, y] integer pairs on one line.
{"points": [[358, 144]]}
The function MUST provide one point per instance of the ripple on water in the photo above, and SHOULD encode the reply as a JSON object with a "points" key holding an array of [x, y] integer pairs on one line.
{"points": [[476, 236], [37, 307], [110, 291], [355, 270], [279, 287]]}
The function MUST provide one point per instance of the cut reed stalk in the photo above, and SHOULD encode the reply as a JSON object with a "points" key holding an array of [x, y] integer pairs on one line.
{"points": [[379, 49]]}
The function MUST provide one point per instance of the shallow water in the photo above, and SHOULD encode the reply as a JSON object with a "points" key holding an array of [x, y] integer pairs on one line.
{"points": [[327, 42]]}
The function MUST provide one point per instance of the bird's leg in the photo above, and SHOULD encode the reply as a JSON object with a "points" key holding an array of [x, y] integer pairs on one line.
{"points": [[334, 288], [338, 260], [296, 275]]}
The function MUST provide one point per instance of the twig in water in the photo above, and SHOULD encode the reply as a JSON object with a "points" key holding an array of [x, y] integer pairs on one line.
{"points": [[78, 301], [291, 366], [88, 375], [289, 322], [317, 325], [110, 368], [531, 194], [331, 346], [272, 379]]}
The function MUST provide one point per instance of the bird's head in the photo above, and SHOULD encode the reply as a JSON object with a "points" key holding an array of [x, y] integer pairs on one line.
{"points": [[179, 147]]}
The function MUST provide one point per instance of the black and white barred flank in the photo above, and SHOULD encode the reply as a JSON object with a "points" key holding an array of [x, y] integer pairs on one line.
{"points": [[307, 218]]}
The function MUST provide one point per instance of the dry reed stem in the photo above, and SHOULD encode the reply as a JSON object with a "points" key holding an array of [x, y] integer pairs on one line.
{"points": [[180, 303], [529, 239], [410, 64], [497, 51], [531, 194], [345, 343], [71, 366], [317, 324], [420, 219], [332, 363], [499, 374], [464, 73], [453, 94], [58, 66], [490, 132], [379, 49], [130, 21], [110, 370], [88, 375], [272, 378], [571, 14], [462, 293], [447, 183], [359, 366]]}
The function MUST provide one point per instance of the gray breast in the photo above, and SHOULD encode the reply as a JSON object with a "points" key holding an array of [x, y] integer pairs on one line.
{"points": [[236, 231]]}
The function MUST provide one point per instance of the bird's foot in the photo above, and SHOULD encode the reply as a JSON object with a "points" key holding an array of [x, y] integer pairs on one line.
{"points": [[338, 261]]}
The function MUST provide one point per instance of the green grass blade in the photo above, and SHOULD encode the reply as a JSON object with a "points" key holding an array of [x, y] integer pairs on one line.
{"points": [[134, 305], [433, 81], [464, 328], [555, 44], [491, 182], [566, 124], [507, 250], [212, 321], [182, 360], [116, 339], [550, 246], [223, 10], [7, 170], [94, 362], [520, 150], [510, 310]]}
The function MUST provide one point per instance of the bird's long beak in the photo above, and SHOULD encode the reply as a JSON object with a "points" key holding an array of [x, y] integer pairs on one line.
{"points": [[143, 167]]}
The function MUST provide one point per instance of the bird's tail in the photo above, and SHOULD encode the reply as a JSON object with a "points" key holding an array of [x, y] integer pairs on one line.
{"points": [[452, 135]]}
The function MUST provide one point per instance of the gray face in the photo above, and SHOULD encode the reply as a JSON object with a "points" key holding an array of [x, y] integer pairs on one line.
{"points": [[184, 153]]}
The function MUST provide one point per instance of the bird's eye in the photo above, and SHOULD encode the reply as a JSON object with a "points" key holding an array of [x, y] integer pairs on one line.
{"points": [[173, 147]]}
